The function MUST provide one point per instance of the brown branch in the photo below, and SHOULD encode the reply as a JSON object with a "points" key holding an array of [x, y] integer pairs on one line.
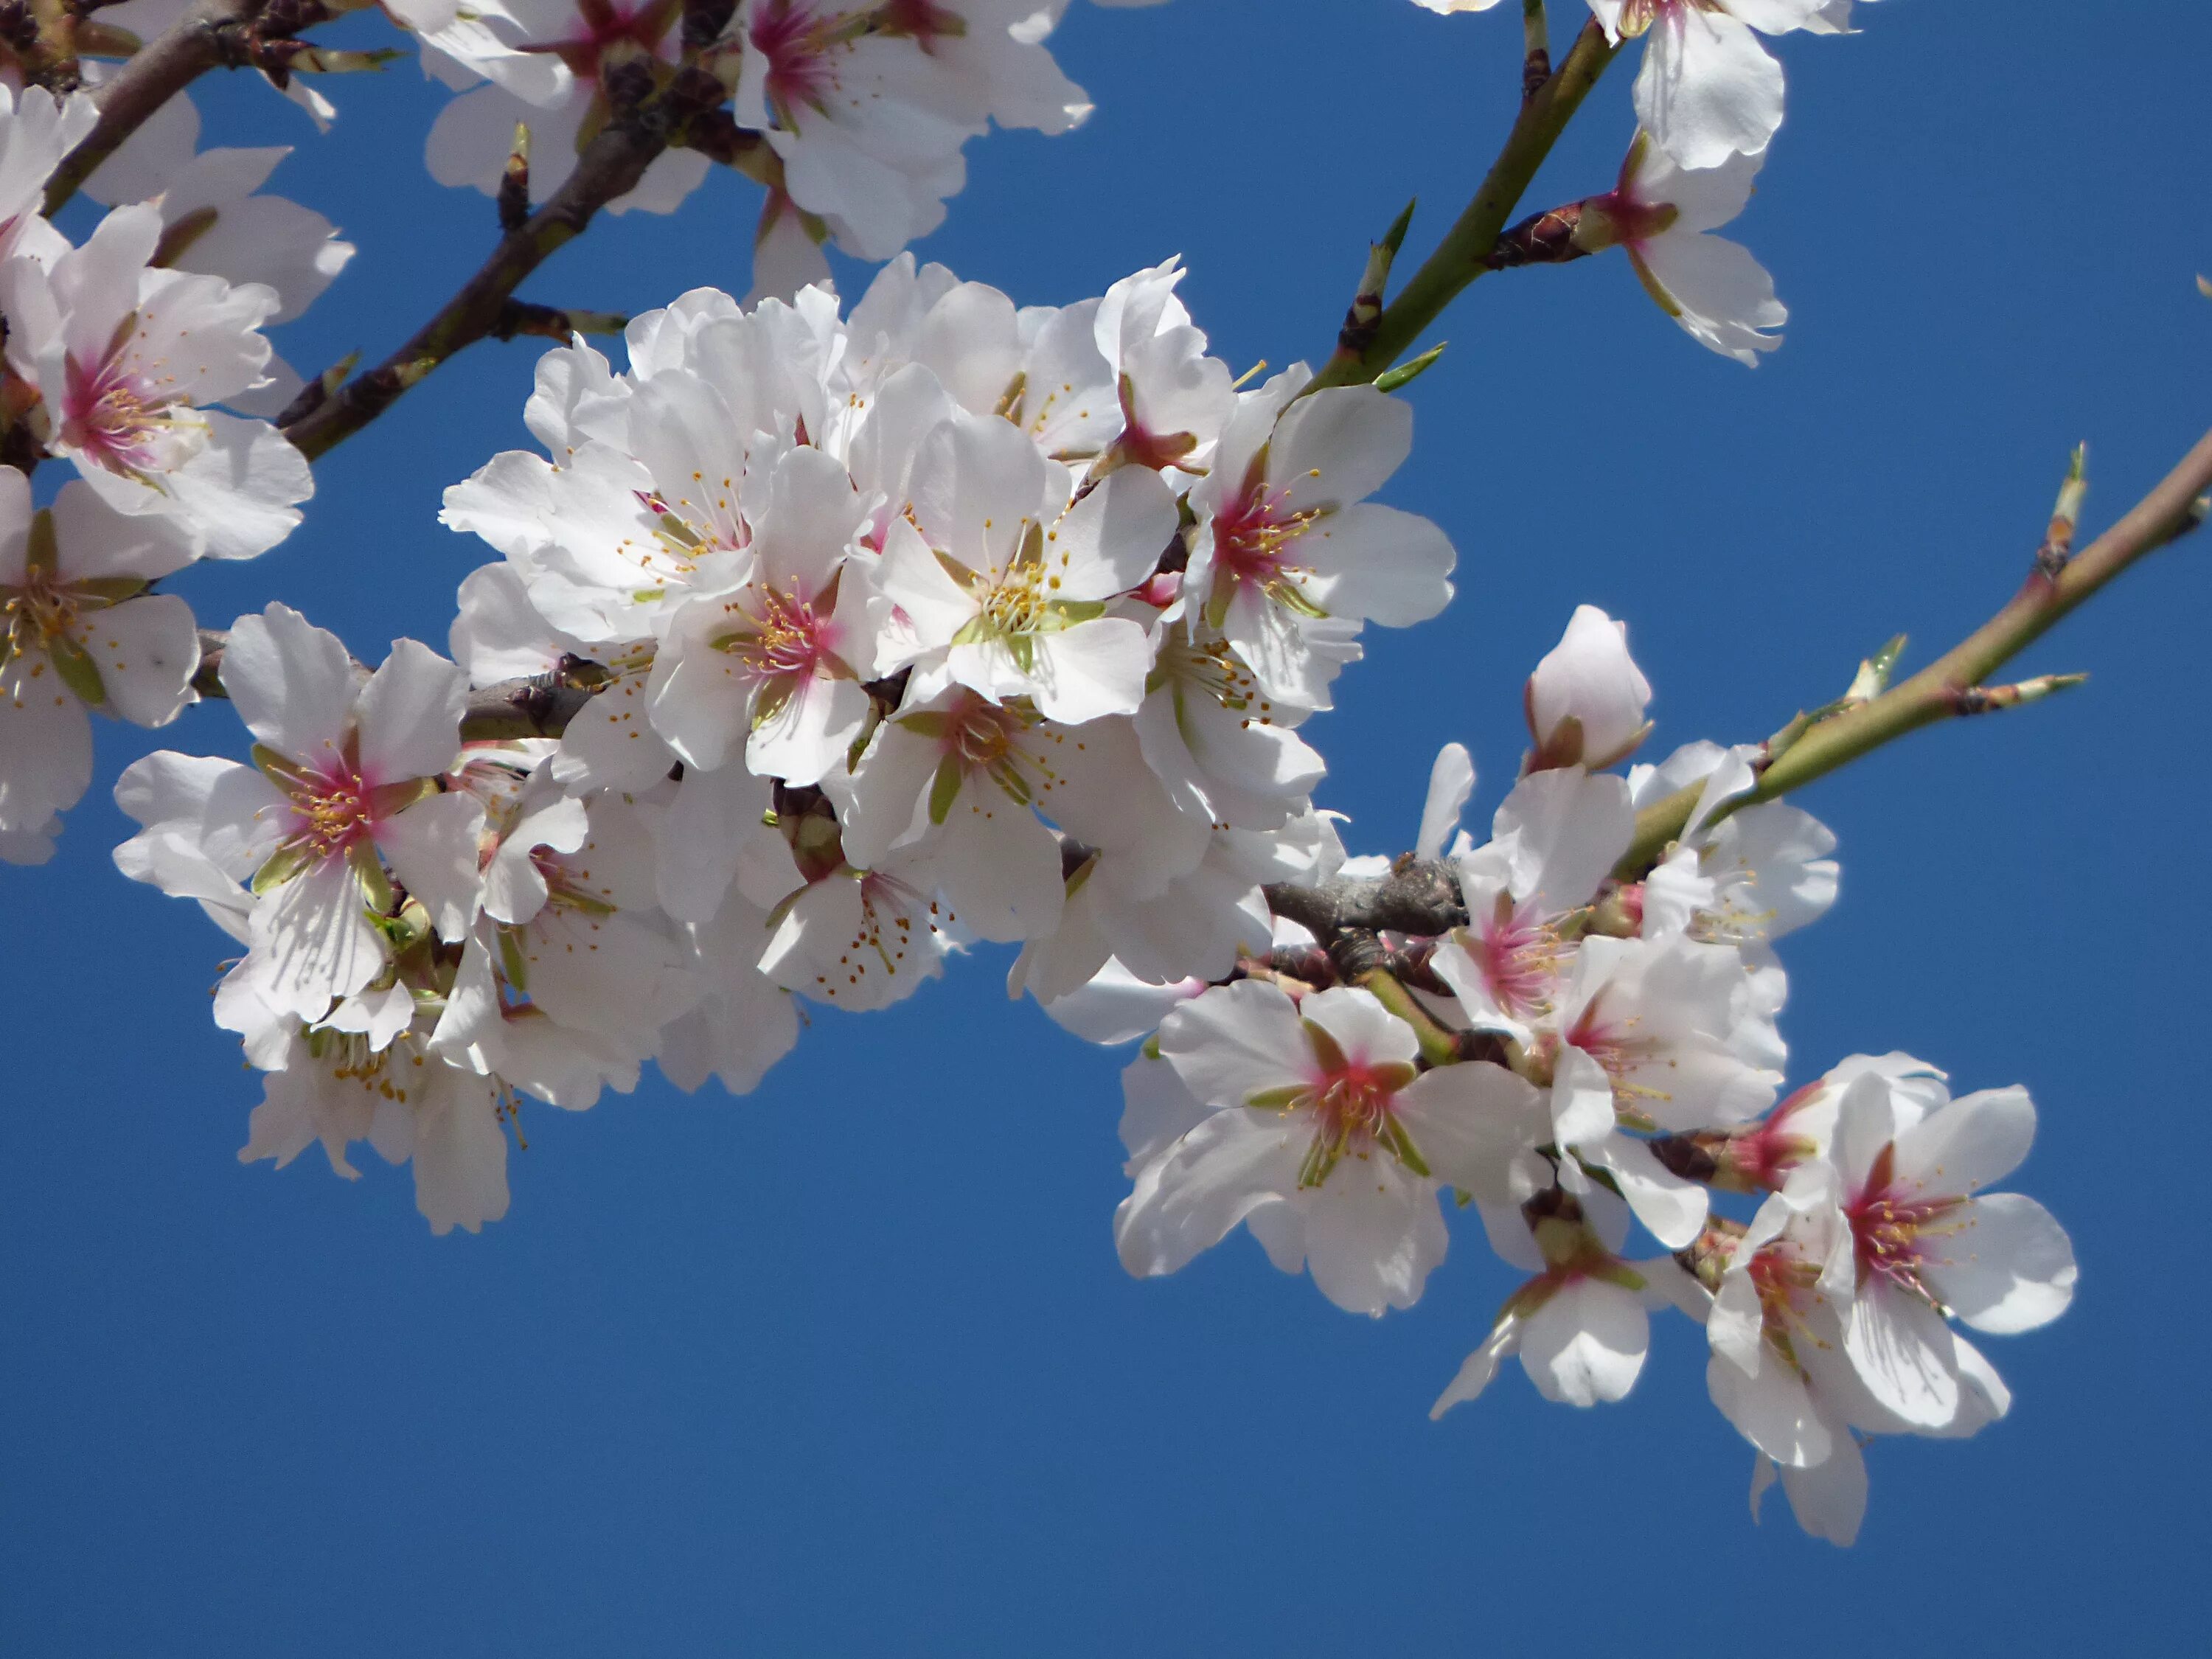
{"points": [[644, 124], [611, 165], [161, 70], [1419, 897]]}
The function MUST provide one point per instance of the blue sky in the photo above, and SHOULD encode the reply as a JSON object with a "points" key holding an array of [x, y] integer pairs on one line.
{"points": [[848, 1366]]}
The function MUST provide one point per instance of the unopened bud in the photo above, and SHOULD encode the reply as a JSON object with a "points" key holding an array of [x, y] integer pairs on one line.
{"points": [[1585, 701]]}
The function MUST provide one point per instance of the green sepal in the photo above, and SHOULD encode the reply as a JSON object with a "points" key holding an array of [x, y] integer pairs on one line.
{"points": [[279, 867], [511, 960], [927, 723], [1151, 1046], [1325, 1047], [41, 555], [1291, 595], [1278, 1099], [109, 590], [387, 799], [1321, 1158], [77, 670], [945, 789], [368, 869], [279, 770], [1401, 1146]]}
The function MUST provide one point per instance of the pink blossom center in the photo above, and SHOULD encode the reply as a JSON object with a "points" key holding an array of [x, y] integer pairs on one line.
{"points": [[113, 416], [332, 811], [785, 638], [796, 45], [1352, 1105], [1888, 1220], [1519, 958], [1252, 539], [606, 25]]}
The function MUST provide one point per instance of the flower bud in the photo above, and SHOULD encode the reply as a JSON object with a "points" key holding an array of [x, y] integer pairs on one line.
{"points": [[1586, 699]]}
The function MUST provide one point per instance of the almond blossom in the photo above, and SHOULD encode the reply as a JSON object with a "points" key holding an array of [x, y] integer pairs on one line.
{"points": [[1662, 215], [128, 358], [345, 781], [1318, 1120], [1289, 556]]}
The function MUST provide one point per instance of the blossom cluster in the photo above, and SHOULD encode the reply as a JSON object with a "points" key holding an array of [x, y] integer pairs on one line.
{"points": [[865, 106], [137, 358], [941, 622], [1590, 1052]]}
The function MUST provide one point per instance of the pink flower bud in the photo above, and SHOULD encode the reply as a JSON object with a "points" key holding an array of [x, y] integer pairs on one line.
{"points": [[1586, 699]]}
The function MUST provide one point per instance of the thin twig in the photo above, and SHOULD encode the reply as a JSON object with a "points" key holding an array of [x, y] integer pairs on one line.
{"points": [[1463, 254], [611, 165], [1951, 685]]}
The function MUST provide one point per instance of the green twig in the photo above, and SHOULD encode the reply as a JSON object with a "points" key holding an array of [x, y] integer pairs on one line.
{"points": [[1953, 684]]}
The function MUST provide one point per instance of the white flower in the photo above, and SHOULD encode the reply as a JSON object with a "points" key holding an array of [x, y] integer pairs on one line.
{"points": [[868, 105], [127, 357], [861, 938], [779, 661], [1927, 1241], [1001, 571], [544, 58], [1675, 1026], [408, 1103], [1321, 1134], [1707, 90], [1553, 842], [1225, 749], [1580, 1325], [745, 1022], [346, 782], [1289, 556], [37, 130], [1660, 214], [1586, 699], [81, 631]]}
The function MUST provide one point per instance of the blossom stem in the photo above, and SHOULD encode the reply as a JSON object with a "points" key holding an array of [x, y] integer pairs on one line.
{"points": [[1464, 253], [1439, 1046], [1953, 684]]}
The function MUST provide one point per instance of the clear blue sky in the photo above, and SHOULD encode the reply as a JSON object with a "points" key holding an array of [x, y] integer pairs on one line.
{"points": [[848, 1366]]}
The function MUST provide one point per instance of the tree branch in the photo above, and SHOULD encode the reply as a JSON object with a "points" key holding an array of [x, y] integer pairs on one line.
{"points": [[1463, 254], [161, 70], [1419, 895], [1951, 685], [611, 165]]}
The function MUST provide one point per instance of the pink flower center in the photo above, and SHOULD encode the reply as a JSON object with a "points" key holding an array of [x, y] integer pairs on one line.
{"points": [[113, 417], [1251, 540], [332, 811], [785, 638], [796, 45], [605, 25], [1887, 1222], [1353, 1106], [1519, 958]]}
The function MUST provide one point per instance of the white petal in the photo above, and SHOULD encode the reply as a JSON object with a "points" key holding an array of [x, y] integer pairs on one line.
{"points": [[2010, 1268]]}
